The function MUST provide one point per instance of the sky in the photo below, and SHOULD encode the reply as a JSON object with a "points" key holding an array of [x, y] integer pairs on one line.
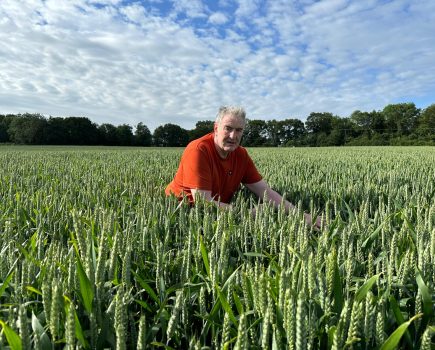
{"points": [[178, 61]]}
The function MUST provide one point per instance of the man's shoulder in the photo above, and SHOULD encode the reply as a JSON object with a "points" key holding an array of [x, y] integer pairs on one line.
{"points": [[203, 143], [241, 151]]}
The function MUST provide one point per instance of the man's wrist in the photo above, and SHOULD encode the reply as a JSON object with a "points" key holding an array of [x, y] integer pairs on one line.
{"points": [[290, 208]]}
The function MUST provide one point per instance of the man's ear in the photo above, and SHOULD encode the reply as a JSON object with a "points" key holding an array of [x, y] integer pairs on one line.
{"points": [[215, 127]]}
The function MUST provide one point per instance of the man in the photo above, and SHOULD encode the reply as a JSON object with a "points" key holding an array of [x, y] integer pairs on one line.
{"points": [[214, 166]]}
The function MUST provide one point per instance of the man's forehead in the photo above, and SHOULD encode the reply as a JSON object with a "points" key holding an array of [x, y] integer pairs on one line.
{"points": [[230, 119]]}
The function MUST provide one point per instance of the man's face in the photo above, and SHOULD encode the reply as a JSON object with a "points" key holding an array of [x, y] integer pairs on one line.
{"points": [[228, 134]]}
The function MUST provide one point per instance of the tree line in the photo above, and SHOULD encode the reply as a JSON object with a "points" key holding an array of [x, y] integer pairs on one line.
{"points": [[396, 124]]}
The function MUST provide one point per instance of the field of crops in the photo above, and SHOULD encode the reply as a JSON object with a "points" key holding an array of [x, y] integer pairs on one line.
{"points": [[94, 256]]}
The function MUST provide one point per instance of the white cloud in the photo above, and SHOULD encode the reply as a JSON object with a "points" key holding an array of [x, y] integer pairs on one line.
{"points": [[134, 13], [124, 63], [191, 8], [247, 8], [218, 18]]}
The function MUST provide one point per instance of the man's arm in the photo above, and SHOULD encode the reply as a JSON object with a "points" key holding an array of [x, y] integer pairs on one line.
{"points": [[262, 190], [207, 196]]}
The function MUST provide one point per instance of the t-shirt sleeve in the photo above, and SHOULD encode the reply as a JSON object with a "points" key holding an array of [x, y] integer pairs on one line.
{"points": [[197, 172], [251, 175]]}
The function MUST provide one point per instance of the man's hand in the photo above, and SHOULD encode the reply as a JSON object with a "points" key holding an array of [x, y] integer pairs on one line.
{"points": [[207, 196], [263, 190], [256, 209], [309, 220]]}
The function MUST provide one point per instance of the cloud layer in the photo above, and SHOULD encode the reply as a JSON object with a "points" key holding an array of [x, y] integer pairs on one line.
{"points": [[177, 61]]}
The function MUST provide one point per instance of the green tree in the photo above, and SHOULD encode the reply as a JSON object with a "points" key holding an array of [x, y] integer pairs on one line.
{"points": [[170, 135], [368, 124], [255, 133], [273, 133], [142, 135], [201, 128], [124, 135], [56, 132], [27, 129], [426, 122], [5, 120], [362, 122], [343, 130], [401, 118], [290, 131], [80, 131], [107, 134], [319, 126], [319, 123]]}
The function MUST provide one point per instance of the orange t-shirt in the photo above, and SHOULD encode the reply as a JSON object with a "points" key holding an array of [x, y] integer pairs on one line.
{"points": [[202, 168]]}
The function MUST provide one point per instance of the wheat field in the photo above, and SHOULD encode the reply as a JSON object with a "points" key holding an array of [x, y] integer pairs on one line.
{"points": [[94, 256]]}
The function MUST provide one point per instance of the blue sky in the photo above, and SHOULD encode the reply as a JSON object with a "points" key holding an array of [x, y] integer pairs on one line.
{"points": [[177, 61]]}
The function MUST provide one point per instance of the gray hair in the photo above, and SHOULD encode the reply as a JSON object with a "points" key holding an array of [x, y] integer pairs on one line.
{"points": [[235, 111]]}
